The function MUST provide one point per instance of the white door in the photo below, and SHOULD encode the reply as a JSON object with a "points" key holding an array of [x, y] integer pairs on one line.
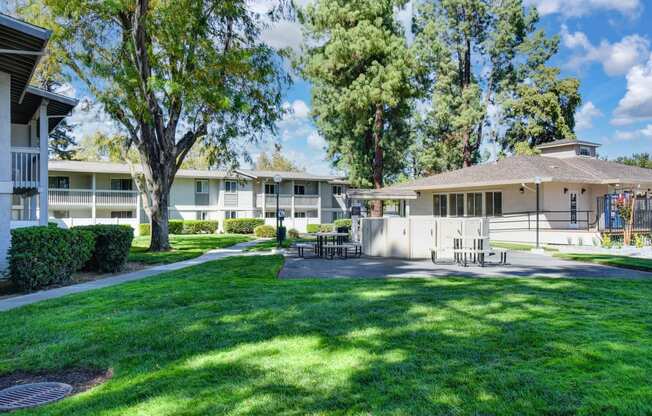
{"points": [[422, 236], [398, 238]]}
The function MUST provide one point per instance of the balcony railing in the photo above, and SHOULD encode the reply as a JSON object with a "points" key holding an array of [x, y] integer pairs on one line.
{"points": [[25, 167], [285, 201], [84, 197]]}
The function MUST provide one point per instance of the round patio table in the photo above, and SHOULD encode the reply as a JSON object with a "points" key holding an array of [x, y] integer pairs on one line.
{"points": [[322, 238]]}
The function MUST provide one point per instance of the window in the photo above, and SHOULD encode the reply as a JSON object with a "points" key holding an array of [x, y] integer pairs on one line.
{"points": [[59, 182], [494, 204], [121, 214], [440, 205], [585, 151], [230, 214], [231, 186], [61, 214], [121, 184], [201, 186], [337, 190], [474, 204], [299, 190], [202, 215], [456, 202], [270, 188], [270, 214], [337, 215], [298, 214]]}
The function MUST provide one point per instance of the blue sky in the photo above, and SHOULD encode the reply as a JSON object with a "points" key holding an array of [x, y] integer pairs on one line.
{"points": [[607, 44]]}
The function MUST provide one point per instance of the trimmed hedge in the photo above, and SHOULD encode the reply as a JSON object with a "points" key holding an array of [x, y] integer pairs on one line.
{"points": [[242, 225], [320, 228], [265, 231], [112, 244], [343, 222], [293, 233], [42, 256], [184, 227]]}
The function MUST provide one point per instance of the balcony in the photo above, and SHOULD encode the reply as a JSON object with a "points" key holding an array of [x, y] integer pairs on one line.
{"points": [[84, 198], [25, 167], [285, 201]]}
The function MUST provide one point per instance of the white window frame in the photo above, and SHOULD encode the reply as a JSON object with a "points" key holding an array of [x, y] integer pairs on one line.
{"points": [[203, 186], [230, 214], [337, 190], [122, 214], [111, 179], [300, 214], [303, 187], [467, 207], [438, 214], [455, 195], [58, 177], [271, 186], [230, 187], [493, 204]]}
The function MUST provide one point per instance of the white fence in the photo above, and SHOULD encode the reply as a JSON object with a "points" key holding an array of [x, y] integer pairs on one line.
{"points": [[412, 238], [84, 197]]}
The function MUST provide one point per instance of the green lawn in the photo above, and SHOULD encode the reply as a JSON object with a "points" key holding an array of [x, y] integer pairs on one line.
{"points": [[184, 247], [268, 245], [228, 338], [610, 260], [518, 246]]}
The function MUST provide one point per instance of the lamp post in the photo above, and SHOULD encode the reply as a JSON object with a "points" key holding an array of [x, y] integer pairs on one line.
{"points": [[277, 181], [537, 181]]}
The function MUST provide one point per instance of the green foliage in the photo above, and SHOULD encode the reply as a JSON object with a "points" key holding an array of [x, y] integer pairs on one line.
{"points": [[482, 53], [293, 233], [144, 229], [112, 244], [607, 241], [276, 162], [640, 240], [524, 149], [313, 228], [363, 77], [642, 160], [320, 228], [175, 226], [343, 222], [184, 247], [200, 226], [42, 256], [242, 225], [265, 231]]}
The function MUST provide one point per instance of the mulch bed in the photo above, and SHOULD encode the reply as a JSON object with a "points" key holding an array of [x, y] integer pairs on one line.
{"points": [[81, 379]]}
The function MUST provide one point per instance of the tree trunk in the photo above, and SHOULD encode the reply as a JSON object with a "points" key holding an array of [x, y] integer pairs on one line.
{"points": [[466, 150], [159, 183], [377, 205]]}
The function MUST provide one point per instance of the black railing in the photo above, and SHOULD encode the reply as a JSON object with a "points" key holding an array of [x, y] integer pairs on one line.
{"points": [[548, 220]]}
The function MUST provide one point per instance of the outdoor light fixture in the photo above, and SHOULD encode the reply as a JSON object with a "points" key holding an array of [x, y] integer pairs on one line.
{"points": [[522, 190], [583, 190], [418, 193], [565, 191]]}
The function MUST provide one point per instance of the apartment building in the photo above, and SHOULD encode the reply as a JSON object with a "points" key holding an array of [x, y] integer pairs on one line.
{"points": [[27, 116], [100, 192]]}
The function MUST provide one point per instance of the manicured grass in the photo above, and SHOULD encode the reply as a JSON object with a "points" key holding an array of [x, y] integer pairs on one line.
{"points": [[269, 245], [518, 246], [228, 338], [184, 247], [625, 262]]}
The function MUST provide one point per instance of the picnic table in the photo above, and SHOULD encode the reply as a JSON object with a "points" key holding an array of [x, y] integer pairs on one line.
{"points": [[323, 238]]}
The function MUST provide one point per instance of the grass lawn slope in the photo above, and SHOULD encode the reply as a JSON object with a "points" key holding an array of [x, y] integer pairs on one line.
{"points": [[184, 247], [625, 262], [229, 338]]}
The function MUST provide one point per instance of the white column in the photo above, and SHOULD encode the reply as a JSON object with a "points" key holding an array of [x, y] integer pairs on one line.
{"points": [[43, 144], [94, 198], [292, 206], [319, 201], [6, 185], [33, 141], [262, 190]]}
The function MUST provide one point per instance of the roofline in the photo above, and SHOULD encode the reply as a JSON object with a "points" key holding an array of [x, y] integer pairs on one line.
{"points": [[52, 95], [27, 28], [568, 143]]}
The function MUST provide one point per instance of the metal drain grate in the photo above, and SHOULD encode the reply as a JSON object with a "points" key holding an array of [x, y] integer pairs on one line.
{"points": [[31, 395]]}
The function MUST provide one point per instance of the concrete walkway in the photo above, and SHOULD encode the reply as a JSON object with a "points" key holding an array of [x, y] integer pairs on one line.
{"points": [[521, 264], [18, 301]]}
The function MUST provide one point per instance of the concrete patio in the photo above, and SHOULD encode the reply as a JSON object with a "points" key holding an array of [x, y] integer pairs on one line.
{"points": [[520, 264]]}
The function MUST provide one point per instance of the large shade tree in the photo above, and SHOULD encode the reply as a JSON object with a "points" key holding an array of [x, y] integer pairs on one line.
{"points": [[488, 80], [362, 72], [172, 73]]}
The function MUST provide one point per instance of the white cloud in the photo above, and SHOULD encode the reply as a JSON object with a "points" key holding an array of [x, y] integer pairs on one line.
{"points": [[316, 141], [585, 115], [576, 8], [283, 34], [645, 132], [616, 58], [636, 105]]}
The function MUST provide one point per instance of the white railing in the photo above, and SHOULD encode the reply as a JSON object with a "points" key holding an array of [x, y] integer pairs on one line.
{"points": [[84, 197], [299, 224], [25, 167], [285, 201], [74, 222]]}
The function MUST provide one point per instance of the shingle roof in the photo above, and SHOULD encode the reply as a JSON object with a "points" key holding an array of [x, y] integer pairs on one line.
{"points": [[109, 167], [525, 169], [565, 142]]}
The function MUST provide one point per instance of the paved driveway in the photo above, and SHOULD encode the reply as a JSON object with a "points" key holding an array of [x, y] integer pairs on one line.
{"points": [[521, 264]]}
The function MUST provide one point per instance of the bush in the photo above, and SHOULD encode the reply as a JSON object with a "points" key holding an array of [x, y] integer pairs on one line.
{"points": [[175, 226], [343, 222], [42, 256], [112, 244], [265, 231], [319, 228], [144, 229], [199, 227], [293, 233], [242, 225]]}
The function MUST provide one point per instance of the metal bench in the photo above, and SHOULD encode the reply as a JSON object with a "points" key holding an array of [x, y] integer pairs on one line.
{"points": [[342, 250], [357, 248], [301, 247]]}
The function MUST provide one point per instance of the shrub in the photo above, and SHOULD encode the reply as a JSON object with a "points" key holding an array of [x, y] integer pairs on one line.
{"points": [[639, 240], [265, 231], [144, 229], [242, 225], [112, 244], [41, 256], [199, 227], [293, 233], [313, 228], [326, 228], [319, 228], [606, 241], [343, 222], [175, 226]]}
